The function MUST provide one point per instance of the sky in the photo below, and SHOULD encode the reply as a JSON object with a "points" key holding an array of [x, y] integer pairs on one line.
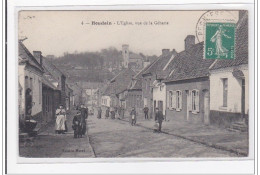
{"points": [[56, 32]]}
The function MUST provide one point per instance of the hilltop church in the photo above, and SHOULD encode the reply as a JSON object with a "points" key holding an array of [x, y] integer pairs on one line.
{"points": [[132, 60]]}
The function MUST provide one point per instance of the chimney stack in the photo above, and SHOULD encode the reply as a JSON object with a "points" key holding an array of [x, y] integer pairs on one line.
{"points": [[38, 56], [174, 52], [189, 41], [165, 51]]}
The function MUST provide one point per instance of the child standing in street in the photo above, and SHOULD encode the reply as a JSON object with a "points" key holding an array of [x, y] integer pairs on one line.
{"points": [[133, 116]]}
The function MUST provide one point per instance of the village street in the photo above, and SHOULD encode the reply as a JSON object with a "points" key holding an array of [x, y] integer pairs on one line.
{"points": [[109, 138]]}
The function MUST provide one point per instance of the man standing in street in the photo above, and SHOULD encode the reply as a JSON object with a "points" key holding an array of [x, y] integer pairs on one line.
{"points": [[159, 118], [146, 110]]}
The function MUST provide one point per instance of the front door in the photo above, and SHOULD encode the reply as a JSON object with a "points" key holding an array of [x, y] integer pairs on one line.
{"points": [[160, 105], [206, 107], [243, 99]]}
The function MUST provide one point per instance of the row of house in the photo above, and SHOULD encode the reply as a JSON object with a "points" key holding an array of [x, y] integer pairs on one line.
{"points": [[185, 86], [42, 87]]}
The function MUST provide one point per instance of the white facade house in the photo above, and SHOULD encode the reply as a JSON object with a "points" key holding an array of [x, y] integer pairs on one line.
{"points": [[106, 101], [229, 81], [159, 95], [30, 81], [227, 94]]}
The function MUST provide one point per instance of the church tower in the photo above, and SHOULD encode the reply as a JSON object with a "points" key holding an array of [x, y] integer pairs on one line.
{"points": [[125, 53]]}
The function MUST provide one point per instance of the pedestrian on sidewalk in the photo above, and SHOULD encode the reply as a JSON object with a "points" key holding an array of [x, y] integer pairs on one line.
{"points": [[76, 125], [84, 116], [99, 113], [146, 110], [133, 116], [107, 113], [60, 120], [159, 118]]}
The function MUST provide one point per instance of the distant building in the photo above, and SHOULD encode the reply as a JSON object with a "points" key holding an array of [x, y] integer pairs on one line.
{"points": [[132, 60], [149, 77], [117, 85]]}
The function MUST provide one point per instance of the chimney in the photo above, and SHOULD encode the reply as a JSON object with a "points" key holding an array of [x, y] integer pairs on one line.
{"points": [[38, 56], [174, 52], [189, 41], [165, 51]]}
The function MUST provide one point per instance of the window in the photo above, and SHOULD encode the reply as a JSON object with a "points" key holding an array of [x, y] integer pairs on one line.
{"points": [[40, 92], [175, 100], [195, 101], [178, 100], [170, 99], [225, 91]]}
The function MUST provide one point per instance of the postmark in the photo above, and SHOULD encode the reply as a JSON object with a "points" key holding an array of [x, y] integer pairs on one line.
{"points": [[219, 47], [214, 17], [219, 41]]}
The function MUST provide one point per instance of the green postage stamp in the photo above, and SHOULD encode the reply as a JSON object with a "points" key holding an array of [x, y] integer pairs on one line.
{"points": [[220, 41]]}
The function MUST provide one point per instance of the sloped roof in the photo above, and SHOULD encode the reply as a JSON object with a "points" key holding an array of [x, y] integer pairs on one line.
{"points": [[25, 55], [48, 83], [241, 48], [158, 65], [120, 82], [189, 64], [136, 82]]}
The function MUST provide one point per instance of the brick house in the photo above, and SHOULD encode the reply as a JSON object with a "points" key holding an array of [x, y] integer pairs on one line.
{"points": [[60, 98], [187, 85], [150, 75], [230, 95], [117, 85]]}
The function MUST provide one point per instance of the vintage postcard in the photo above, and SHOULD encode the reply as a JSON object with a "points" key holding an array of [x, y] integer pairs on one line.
{"points": [[133, 84]]}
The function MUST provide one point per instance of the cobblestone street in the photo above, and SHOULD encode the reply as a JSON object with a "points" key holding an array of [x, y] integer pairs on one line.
{"points": [[115, 138]]}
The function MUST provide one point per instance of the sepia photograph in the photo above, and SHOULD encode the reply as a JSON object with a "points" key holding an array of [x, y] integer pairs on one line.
{"points": [[133, 84]]}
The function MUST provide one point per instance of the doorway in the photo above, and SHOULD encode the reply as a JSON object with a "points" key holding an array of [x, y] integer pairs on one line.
{"points": [[206, 107]]}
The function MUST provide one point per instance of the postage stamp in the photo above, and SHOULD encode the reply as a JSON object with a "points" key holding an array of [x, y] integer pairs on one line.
{"points": [[219, 41]]}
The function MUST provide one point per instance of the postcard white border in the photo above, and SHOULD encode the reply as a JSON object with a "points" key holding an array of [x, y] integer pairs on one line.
{"points": [[130, 165]]}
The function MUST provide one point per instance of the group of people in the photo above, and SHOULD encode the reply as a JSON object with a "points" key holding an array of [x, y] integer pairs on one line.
{"points": [[79, 120], [116, 112], [78, 123]]}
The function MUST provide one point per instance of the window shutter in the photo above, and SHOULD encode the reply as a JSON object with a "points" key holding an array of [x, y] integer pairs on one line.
{"points": [[190, 101], [168, 99], [180, 98], [174, 99], [197, 101]]}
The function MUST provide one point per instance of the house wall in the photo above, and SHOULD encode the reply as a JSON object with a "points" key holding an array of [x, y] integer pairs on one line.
{"points": [[225, 115], [134, 99], [147, 92], [159, 94], [105, 101], [34, 82], [48, 104], [185, 87], [21, 99]]}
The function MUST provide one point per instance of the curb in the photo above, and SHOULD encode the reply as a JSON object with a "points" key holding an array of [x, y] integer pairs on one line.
{"points": [[88, 138], [208, 144]]}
